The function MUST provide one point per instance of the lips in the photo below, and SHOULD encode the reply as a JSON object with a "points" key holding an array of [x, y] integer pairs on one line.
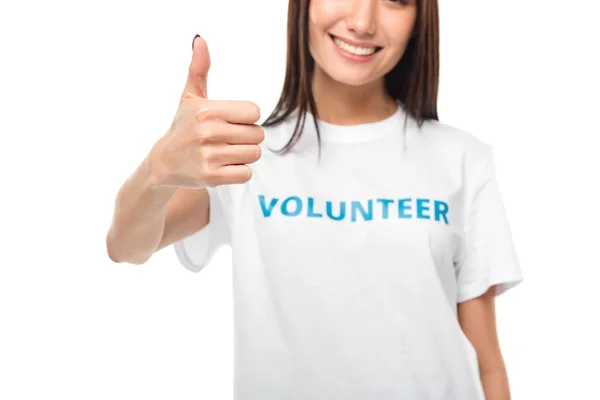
{"points": [[333, 37]]}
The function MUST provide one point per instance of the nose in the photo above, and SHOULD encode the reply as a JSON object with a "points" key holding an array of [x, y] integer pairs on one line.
{"points": [[362, 17]]}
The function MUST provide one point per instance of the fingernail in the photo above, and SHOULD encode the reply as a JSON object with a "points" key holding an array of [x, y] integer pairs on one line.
{"points": [[197, 36]]}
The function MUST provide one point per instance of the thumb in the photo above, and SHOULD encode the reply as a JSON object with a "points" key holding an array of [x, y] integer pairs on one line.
{"points": [[198, 70]]}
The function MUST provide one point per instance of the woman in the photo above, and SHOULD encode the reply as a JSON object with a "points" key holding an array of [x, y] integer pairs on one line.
{"points": [[369, 241]]}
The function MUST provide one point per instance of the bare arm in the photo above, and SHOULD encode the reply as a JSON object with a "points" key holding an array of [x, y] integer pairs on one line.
{"points": [[208, 144], [148, 217], [478, 320]]}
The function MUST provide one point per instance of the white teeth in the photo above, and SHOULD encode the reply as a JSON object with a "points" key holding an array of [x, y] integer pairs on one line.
{"points": [[359, 51]]}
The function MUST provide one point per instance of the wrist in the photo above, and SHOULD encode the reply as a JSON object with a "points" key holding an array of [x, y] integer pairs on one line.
{"points": [[154, 179], [153, 169]]}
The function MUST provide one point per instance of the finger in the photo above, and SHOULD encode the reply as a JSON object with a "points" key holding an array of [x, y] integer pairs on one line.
{"points": [[236, 134], [221, 132], [232, 111], [237, 154], [196, 84], [234, 174]]}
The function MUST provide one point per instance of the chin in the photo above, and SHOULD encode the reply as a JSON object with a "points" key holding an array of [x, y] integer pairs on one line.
{"points": [[350, 78]]}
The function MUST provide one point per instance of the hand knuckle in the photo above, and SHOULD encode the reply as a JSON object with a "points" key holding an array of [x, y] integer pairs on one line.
{"points": [[209, 175], [205, 154], [211, 182], [204, 113], [205, 132]]}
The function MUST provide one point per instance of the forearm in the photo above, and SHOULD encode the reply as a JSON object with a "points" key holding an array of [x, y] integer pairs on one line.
{"points": [[139, 217], [495, 384]]}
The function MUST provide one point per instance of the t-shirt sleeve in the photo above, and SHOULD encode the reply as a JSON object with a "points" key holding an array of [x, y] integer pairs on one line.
{"points": [[488, 256], [197, 250]]}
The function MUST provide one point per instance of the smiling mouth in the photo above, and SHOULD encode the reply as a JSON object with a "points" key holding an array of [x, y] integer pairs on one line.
{"points": [[356, 50]]}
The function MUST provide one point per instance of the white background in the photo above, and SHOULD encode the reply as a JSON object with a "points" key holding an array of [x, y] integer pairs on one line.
{"points": [[86, 88]]}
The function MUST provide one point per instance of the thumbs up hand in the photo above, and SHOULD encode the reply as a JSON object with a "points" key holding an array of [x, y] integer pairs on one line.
{"points": [[209, 142]]}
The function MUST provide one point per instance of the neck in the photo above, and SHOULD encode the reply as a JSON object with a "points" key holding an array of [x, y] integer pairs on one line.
{"points": [[342, 104]]}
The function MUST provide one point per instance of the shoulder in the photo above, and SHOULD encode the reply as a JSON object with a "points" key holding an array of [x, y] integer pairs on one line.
{"points": [[438, 134], [454, 144]]}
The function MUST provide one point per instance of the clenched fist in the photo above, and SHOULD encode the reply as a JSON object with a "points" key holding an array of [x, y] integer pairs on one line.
{"points": [[209, 142]]}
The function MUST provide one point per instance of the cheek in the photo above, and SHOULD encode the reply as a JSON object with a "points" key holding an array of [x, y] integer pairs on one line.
{"points": [[320, 17], [399, 35], [322, 13]]}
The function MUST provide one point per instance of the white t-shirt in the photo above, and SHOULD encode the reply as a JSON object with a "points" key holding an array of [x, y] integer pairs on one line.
{"points": [[347, 271]]}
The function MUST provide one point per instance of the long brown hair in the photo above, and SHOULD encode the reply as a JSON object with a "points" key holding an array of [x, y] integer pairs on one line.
{"points": [[413, 81]]}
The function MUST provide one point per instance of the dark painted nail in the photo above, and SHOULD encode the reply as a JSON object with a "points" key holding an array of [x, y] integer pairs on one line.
{"points": [[197, 36]]}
